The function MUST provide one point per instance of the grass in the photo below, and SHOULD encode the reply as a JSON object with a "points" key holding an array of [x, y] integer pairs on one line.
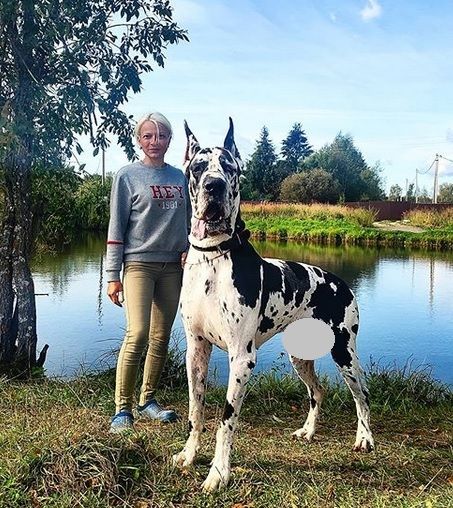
{"points": [[56, 450], [335, 225]]}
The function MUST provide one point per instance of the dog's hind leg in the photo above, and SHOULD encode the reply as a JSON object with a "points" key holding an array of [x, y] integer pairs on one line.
{"points": [[345, 356], [197, 358], [241, 367], [306, 371]]}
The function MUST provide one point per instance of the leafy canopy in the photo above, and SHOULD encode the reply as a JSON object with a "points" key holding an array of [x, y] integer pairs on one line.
{"points": [[81, 59]]}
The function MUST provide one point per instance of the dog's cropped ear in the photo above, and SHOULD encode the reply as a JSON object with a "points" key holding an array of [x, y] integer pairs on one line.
{"points": [[192, 145], [229, 143]]}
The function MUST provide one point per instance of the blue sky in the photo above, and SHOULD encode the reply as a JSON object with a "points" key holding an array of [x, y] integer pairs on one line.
{"points": [[379, 70]]}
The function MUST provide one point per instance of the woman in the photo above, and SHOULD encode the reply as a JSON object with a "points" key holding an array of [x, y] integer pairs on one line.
{"points": [[148, 228]]}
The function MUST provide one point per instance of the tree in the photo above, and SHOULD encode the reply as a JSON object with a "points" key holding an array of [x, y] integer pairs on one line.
{"points": [[66, 69], [410, 194], [344, 162], [260, 180], [424, 196], [373, 184], [395, 193], [314, 185], [295, 147], [446, 193]]}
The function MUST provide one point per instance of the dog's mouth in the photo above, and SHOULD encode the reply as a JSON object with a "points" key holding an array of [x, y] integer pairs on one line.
{"points": [[212, 222]]}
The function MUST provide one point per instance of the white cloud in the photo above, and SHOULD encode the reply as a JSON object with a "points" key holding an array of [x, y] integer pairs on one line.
{"points": [[371, 10]]}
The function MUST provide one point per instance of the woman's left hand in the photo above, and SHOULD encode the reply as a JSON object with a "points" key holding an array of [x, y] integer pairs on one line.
{"points": [[183, 259]]}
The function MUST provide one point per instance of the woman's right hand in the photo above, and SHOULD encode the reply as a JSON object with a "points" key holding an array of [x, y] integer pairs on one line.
{"points": [[114, 290]]}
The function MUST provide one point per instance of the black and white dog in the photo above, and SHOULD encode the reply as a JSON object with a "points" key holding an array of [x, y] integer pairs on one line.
{"points": [[236, 300]]}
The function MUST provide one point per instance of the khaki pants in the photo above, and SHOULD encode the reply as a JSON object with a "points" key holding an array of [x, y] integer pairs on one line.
{"points": [[151, 296]]}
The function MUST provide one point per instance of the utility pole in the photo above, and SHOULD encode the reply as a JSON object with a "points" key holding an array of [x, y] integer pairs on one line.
{"points": [[436, 177], [416, 185], [407, 185]]}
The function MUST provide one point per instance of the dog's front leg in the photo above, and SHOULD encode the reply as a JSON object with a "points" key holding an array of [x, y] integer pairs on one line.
{"points": [[197, 360], [242, 363]]}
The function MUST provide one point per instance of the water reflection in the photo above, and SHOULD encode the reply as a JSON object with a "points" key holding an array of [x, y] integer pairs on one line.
{"points": [[404, 299]]}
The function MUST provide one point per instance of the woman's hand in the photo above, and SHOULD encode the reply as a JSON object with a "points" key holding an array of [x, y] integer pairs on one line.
{"points": [[114, 291], [183, 259]]}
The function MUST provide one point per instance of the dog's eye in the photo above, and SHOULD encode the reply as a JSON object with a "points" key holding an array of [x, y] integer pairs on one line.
{"points": [[199, 167]]}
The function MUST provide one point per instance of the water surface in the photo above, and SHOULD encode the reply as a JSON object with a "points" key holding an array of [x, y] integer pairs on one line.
{"points": [[405, 300]]}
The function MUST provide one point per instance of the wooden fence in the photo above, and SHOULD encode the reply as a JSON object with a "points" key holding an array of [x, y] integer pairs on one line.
{"points": [[394, 210]]}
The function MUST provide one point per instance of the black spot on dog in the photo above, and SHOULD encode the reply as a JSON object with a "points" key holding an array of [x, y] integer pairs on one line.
{"points": [[227, 412], [190, 426], [272, 283], [200, 337], [355, 328], [330, 306], [265, 324], [251, 365], [249, 347], [317, 270], [246, 274], [342, 357], [238, 380], [207, 286]]}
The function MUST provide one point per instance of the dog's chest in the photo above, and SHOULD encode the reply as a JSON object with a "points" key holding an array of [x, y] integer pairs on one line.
{"points": [[210, 302]]}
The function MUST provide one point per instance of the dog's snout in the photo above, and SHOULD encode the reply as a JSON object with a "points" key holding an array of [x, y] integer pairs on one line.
{"points": [[214, 185]]}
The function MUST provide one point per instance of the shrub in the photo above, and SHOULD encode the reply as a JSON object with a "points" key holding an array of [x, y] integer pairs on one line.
{"points": [[314, 185], [92, 200]]}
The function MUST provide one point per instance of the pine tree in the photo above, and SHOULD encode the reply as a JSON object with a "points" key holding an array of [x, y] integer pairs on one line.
{"points": [[260, 172], [295, 148]]}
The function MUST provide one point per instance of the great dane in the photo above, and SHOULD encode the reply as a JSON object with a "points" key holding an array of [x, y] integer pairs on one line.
{"points": [[236, 300]]}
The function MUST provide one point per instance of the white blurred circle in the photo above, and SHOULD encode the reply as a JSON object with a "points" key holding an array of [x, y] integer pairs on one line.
{"points": [[308, 339]]}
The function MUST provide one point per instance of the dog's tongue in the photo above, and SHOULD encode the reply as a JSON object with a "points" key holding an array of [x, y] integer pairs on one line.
{"points": [[199, 229]]}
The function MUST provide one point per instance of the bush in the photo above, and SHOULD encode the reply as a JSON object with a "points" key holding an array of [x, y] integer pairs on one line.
{"points": [[92, 201], [314, 185], [53, 204]]}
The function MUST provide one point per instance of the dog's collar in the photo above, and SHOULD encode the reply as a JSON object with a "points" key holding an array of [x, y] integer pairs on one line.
{"points": [[232, 243]]}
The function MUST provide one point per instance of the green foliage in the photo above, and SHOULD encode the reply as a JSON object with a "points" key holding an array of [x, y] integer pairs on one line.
{"points": [[76, 62], [395, 193], [259, 175], [54, 204], [92, 199], [315, 185], [373, 184], [295, 147], [446, 193], [410, 194], [344, 162], [424, 196]]}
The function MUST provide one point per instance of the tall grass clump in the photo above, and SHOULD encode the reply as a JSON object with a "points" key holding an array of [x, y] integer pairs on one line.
{"points": [[431, 218], [321, 212]]}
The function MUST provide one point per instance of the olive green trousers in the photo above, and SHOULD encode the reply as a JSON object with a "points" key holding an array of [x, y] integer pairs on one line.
{"points": [[151, 296]]}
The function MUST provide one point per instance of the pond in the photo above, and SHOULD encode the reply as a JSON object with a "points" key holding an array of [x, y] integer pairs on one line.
{"points": [[405, 300]]}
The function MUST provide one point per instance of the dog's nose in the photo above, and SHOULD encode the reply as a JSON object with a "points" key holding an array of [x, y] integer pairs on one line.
{"points": [[214, 185]]}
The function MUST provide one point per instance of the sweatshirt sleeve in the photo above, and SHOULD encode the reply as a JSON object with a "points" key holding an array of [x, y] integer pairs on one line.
{"points": [[189, 208], [120, 209]]}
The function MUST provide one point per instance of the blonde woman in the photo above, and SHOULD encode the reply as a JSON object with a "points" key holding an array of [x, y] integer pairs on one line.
{"points": [[147, 239]]}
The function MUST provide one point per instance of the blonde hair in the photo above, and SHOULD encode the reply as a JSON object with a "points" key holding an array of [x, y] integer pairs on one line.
{"points": [[157, 119]]}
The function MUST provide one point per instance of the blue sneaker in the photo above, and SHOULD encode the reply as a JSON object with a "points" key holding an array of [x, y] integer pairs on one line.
{"points": [[152, 410], [122, 422]]}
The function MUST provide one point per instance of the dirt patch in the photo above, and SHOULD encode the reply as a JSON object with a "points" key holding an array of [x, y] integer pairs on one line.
{"points": [[388, 225]]}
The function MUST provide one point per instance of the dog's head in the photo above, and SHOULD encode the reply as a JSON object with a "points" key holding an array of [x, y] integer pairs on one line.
{"points": [[213, 176]]}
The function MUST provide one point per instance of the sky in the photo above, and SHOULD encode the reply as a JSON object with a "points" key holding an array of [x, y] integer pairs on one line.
{"points": [[379, 70]]}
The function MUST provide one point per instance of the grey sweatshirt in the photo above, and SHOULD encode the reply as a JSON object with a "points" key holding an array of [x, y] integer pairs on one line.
{"points": [[149, 216]]}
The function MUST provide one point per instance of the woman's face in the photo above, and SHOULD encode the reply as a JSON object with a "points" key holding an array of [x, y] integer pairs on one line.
{"points": [[154, 141]]}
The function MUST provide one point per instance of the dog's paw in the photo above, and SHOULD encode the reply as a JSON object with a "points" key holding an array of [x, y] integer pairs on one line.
{"points": [[364, 444], [183, 459], [217, 479], [305, 433]]}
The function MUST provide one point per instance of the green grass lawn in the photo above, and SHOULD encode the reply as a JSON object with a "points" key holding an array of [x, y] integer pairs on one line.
{"points": [[56, 450]]}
